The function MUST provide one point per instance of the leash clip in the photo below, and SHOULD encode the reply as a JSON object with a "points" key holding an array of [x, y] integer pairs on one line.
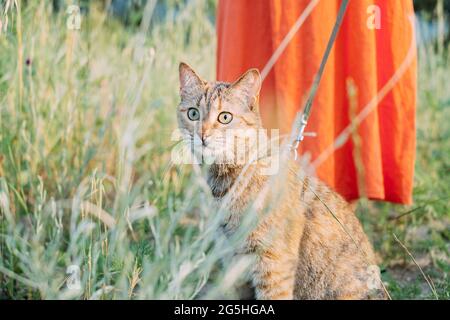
{"points": [[301, 135]]}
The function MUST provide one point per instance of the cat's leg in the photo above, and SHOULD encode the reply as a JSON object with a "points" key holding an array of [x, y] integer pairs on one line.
{"points": [[358, 283], [360, 293], [274, 276], [276, 244], [354, 290]]}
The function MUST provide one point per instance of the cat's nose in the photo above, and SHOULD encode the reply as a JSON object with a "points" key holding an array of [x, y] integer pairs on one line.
{"points": [[204, 135], [204, 140]]}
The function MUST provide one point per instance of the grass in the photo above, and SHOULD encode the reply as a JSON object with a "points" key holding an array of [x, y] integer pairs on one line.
{"points": [[85, 135]]}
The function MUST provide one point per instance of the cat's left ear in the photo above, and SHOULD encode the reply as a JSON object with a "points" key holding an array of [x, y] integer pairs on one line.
{"points": [[247, 87], [190, 82]]}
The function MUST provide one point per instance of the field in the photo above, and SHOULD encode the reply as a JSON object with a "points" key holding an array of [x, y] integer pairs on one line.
{"points": [[88, 189]]}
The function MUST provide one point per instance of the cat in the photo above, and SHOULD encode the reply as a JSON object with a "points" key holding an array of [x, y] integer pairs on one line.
{"points": [[308, 243]]}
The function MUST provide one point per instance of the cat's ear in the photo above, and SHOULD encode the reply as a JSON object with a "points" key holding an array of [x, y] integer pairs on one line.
{"points": [[190, 82], [247, 87]]}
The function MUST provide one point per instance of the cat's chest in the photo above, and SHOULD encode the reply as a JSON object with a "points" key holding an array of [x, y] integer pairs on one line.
{"points": [[230, 225], [234, 195], [230, 209]]}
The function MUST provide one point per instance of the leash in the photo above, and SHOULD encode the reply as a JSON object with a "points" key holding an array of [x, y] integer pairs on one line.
{"points": [[302, 117]]}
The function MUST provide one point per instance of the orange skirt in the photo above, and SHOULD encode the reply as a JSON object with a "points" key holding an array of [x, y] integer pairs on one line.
{"points": [[377, 160]]}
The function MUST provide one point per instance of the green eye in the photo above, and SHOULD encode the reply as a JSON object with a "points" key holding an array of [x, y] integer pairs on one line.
{"points": [[193, 114], [225, 117]]}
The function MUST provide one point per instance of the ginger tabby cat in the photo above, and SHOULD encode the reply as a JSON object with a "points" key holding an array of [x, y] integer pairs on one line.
{"points": [[301, 250]]}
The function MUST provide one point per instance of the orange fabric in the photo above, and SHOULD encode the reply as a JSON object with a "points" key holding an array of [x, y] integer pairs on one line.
{"points": [[250, 30]]}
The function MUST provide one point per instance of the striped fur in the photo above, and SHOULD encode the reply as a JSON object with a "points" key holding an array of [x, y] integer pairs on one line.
{"points": [[301, 250]]}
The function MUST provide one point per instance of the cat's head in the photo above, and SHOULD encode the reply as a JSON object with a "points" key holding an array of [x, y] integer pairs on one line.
{"points": [[212, 114]]}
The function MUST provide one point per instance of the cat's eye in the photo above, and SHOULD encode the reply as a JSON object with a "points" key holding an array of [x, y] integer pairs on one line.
{"points": [[193, 114], [225, 117]]}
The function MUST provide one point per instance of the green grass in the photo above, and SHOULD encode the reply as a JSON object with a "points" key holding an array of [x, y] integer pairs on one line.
{"points": [[89, 121]]}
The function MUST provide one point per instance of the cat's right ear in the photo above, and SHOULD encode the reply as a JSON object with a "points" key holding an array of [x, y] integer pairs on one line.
{"points": [[190, 82]]}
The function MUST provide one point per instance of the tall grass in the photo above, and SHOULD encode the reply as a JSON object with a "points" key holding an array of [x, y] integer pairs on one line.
{"points": [[86, 177]]}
